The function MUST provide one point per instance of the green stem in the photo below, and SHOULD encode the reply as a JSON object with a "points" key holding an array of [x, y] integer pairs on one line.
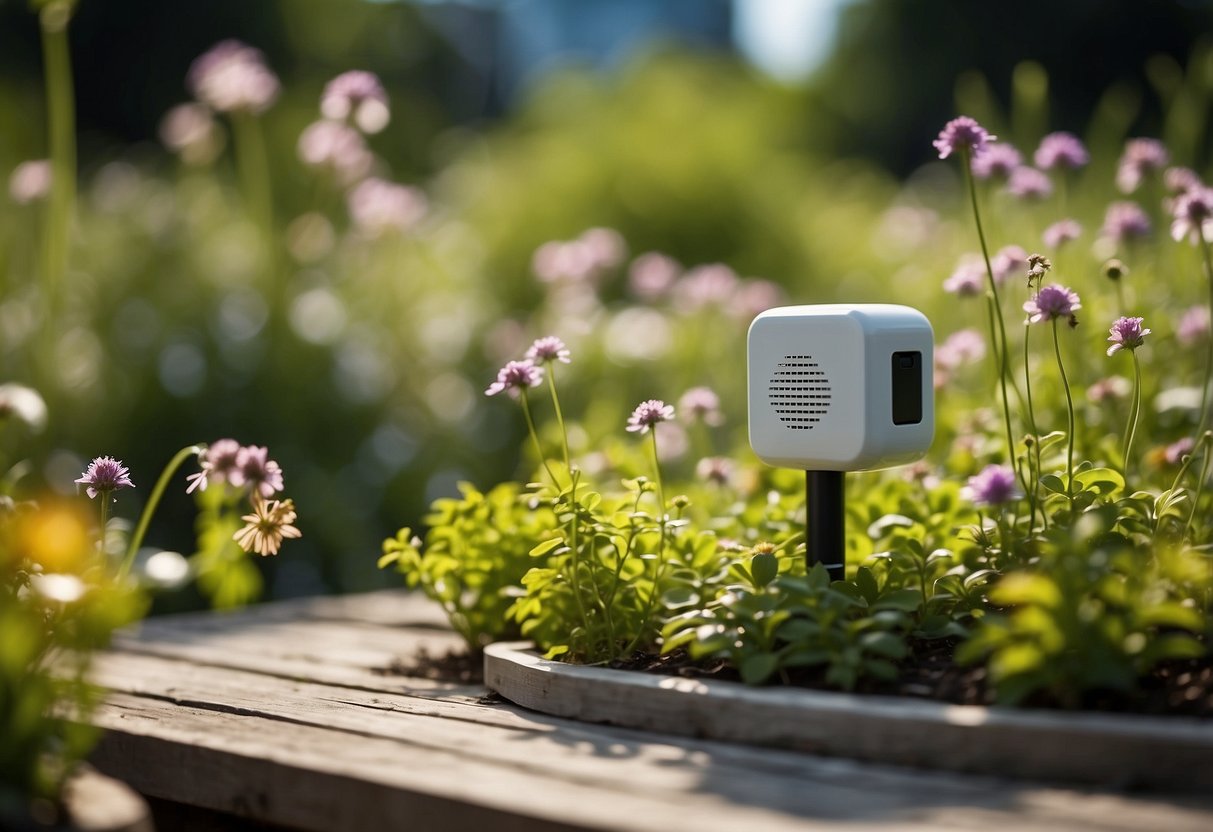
{"points": [[154, 501], [1120, 296], [1065, 385], [1200, 487], [1030, 487], [530, 426], [1134, 415], [253, 163], [1000, 352], [53, 20], [651, 602], [1201, 426], [105, 520], [564, 434]]}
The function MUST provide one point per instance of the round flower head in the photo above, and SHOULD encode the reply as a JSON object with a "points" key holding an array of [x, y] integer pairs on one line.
{"points": [[190, 131], [515, 376], [962, 347], [993, 486], [1180, 180], [1125, 221], [1193, 215], [1008, 261], [996, 160], [358, 96], [1106, 389], [30, 181], [1060, 150], [1052, 302], [712, 284], [1193, 326], [715, 469], [548, 349], [1141, 156], [232, 76], [1126, 334], [649, 413], [380, 207], [1029, 183], [255, 470], [218, 463], [337, 148], [105, 474], [270, 522], [701, 404], [1175, 452], [960, 134], [652, 274], [967, 280], [1061, 232]]}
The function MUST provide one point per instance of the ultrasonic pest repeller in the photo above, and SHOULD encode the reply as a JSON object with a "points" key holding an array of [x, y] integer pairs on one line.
{"points": [[836, 388]]}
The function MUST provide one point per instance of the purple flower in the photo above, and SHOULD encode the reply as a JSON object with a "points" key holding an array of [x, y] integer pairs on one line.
{"points": [[701, 404], [1052, 302], [30, 181], [584, 259], [378, 206], [337, 148], [1007, 262], [358, 96], [1112, 387], [190, 131], [515, 376], [220, 463], [652, 274], [1029, 183], [1126, 334], [254, 469], [1175, 452], [232, 76], [649, 413], [1060, 150], [1193, 215], [105, 474], [1193, 326], [1178, 180], [1125, 221], [960, 134], [715, 469], [549, 349], [967, 280], [993, 486], [756, 296], [962, 347], [712, 284], [996, 160], [1141, 156], [1061, 232]]}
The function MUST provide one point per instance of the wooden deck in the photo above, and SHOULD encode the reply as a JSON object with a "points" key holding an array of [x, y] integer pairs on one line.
{"points": [[294, 714]]}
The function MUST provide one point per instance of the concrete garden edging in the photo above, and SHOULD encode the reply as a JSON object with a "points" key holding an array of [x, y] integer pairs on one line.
{"points": [[1110, 750]]}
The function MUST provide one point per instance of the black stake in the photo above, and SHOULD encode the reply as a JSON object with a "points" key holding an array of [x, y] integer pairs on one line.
{"points": [[825, 535]]}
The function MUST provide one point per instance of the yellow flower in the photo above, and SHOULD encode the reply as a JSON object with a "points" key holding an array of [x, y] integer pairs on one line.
{"points": [[267, 526]]}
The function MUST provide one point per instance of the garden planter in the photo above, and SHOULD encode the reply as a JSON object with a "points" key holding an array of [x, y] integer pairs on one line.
{"points": [[1118, 751]]}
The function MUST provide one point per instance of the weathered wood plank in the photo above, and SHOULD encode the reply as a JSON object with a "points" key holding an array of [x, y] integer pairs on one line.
{"points": [[244, 741], [1117, 751]]}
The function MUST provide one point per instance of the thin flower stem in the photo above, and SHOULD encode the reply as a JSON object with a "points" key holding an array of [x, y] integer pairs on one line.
{"points": [[564, 434], [1030, 487], [530, 426], [1134, 415], [1120, 297], [105, 519], [1200, 483], [1065, 385], [1000, 345], [1202, 425], [154, 501], [651, 602]]}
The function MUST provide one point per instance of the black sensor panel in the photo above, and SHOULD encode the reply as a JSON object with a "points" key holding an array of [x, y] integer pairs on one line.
{"points": [[907, 388]]}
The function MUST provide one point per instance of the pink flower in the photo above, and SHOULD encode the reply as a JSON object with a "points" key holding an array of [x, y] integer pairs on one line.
{"points": [[548, 349], [1008, 261], [1178, 180], [1175, 452], [1125, 221], [996, 161], [715, 469], [232, 76], [1060, 150], [968, 280], [1193, 326], [358, 96], [379, 207], [30, 181], [960, 134], [254, 469], [712, 284], [337, 148], [220, 463], [1061, 232], [1140, 157], [1029, 183], [1106, 389], [190, 131], [1126, 334], [1052, 302], [105, 474], [515, 376], [652, 274], [993, 486], [648, 414], [701, 404], [962, 347], [1193, 215]]}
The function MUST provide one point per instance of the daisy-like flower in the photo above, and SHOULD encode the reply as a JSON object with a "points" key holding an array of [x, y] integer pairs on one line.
{"points": [[1126, 334], [105, 474], [1029, 183], [1008, 261], [548, 349], [358, 96], [1193, 215], [1140, 157], [1193, 326], [1053, 302], [1061, 232], [968, 280], [962, 133], [30, 181], [256, 470], [993, 486], [649, 413], [715, 469], [1179, 180], [218, 463], [268, 525], [962, 347], [996, 161], [232, 76], [701, 404], [515, 376], [1060, 150], [1125, 221]]}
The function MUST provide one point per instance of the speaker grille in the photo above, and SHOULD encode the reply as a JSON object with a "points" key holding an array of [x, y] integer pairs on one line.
{"points": [[799, 391]]}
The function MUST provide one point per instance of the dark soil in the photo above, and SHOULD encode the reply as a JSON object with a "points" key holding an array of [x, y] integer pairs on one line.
{"points": [[1178, 688]]}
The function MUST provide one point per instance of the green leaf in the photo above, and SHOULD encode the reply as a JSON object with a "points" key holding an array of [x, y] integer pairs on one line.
{"points": [[1104, 481], [883, 644], [1054, 483], [679, 596], [764, 567], [546, 546], [866, 583], [906, 600], [757, 668]]}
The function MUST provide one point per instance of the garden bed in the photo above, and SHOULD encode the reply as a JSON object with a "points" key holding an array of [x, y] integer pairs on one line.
{"points": [[1119, 751]]}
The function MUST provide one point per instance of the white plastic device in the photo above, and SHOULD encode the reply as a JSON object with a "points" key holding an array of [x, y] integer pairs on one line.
{"points": [[841, 387]]}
